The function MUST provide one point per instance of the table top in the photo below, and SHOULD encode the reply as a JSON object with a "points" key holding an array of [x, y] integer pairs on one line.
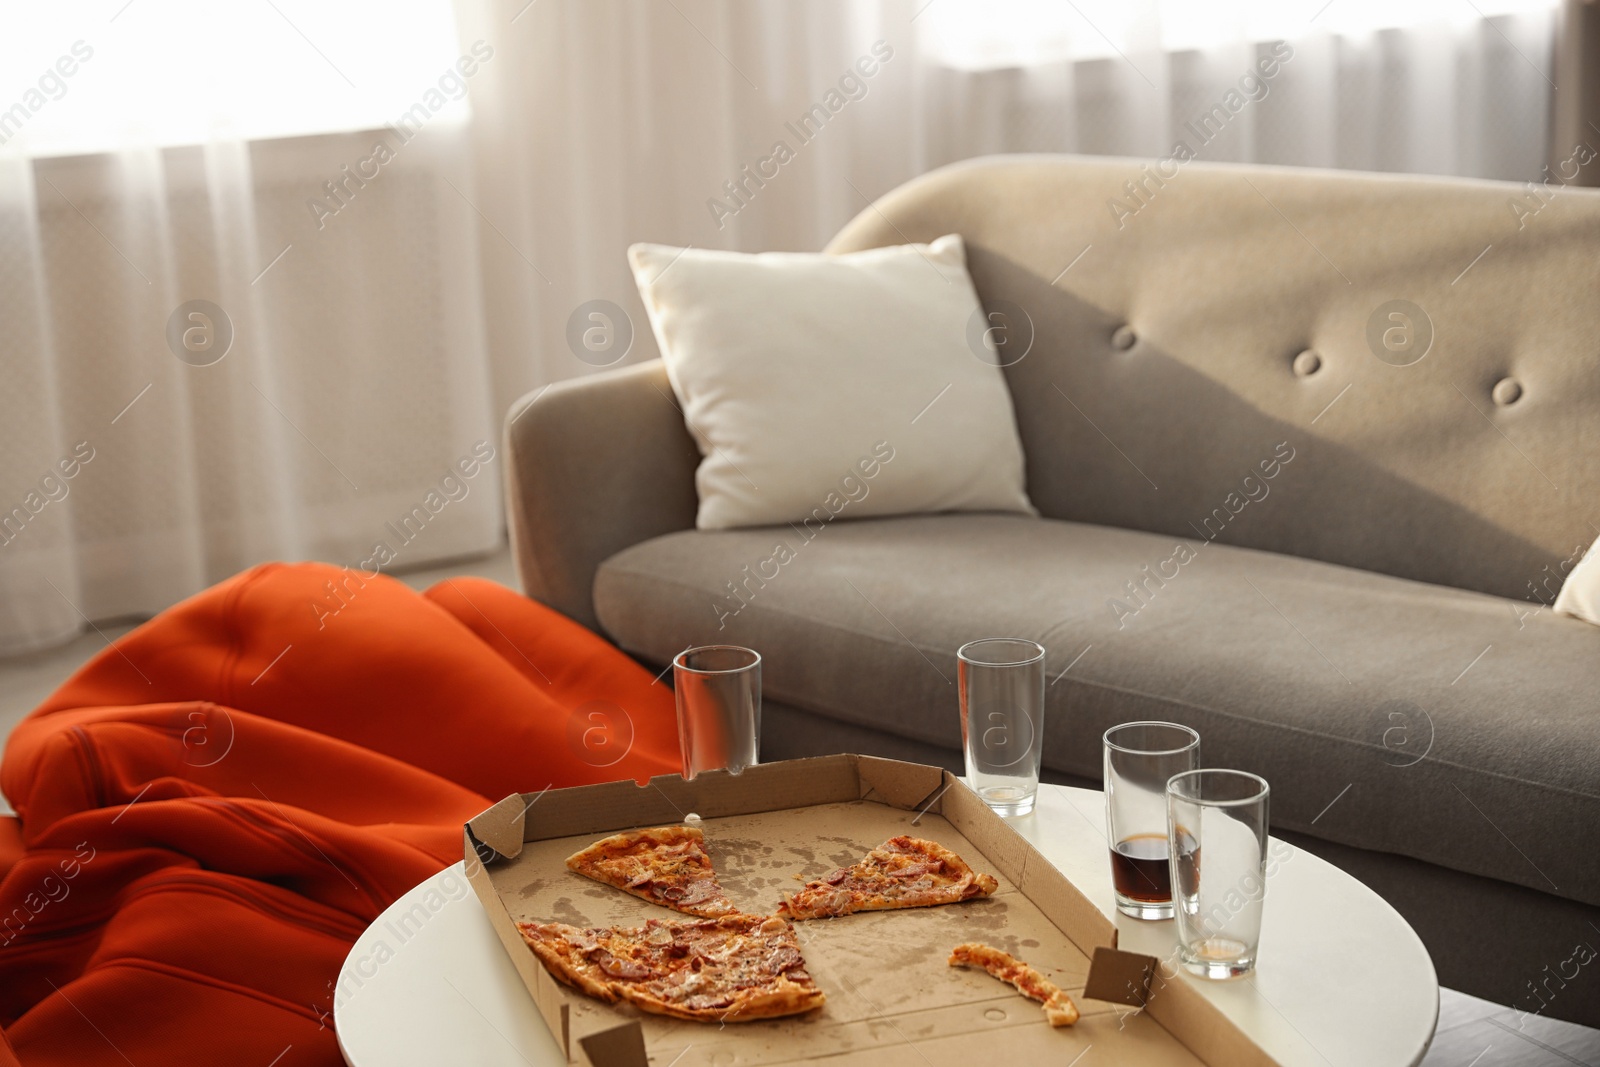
{"points": [[1342, 979]]}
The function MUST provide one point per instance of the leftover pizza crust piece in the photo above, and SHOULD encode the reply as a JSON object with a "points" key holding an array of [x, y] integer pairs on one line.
{"points": [[734, 969], [1058, 1007], [903, 872], [666, 865]]}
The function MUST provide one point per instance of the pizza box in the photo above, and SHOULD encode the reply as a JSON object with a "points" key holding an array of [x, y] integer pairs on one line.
{"points": [[892, 999]]}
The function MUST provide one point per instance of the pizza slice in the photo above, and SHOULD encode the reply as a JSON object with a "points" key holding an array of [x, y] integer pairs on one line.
{"points": [[1058, 1007], [903, 872], [667, 865], [734, 969]]}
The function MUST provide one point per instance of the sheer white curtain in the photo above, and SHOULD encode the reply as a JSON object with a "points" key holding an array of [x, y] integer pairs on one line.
{"points": [[385, 311], [614, 121], [234, 330]]}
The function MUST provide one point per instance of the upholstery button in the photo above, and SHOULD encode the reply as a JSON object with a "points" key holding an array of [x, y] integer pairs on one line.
{"points": [[1123, 338], [1506, 391], [1307, 363]]}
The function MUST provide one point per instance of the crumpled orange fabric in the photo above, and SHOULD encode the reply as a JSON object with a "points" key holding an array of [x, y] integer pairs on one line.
{"points": [[214, 807]]}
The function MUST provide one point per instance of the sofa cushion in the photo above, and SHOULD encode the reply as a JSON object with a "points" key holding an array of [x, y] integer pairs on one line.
{"points": [[803, 375], [1450, 726], [1580, 592]]}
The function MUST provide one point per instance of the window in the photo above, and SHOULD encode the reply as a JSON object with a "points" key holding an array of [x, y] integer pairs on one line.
{"points": [[82, 77], [1021, 33]]}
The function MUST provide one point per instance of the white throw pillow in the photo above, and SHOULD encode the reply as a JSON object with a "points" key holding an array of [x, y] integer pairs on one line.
{"points": [[1580, 592], [825, 386]]}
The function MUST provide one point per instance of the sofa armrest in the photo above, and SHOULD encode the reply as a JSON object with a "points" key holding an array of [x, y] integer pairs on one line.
{"points": [[594, 465]]}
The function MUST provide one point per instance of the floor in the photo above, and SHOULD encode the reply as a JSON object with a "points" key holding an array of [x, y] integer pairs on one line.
{"points": [[1471, 1033], [1476, 1033]]}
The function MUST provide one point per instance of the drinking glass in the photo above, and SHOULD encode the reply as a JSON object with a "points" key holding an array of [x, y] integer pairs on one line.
{"points": [[1001, 685], [718, 689], [1139, 758], [1217, 833]]}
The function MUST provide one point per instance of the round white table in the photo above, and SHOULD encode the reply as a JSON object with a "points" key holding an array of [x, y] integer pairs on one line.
{"points": [[1342, 980]]}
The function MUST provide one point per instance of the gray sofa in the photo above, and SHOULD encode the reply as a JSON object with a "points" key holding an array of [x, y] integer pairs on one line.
{"points": [[1325, 547]]}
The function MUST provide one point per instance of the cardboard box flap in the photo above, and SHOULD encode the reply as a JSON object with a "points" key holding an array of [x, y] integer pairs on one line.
{"points": [[913, 786], [614, 806], [1120, 977], [764, 787], [497, 832], [621, 1046]]}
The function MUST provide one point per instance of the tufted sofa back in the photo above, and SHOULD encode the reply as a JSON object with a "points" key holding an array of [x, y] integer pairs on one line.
{"points": [[1398, 374]]}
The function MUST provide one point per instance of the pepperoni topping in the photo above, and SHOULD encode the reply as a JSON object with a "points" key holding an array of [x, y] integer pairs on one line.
{"points": [[914, 870], [699, 890], [784, 958], [620, 968]]}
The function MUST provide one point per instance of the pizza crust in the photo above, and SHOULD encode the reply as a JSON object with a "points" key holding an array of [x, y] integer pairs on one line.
{"points": [[1058, 1007], [559, 959]]}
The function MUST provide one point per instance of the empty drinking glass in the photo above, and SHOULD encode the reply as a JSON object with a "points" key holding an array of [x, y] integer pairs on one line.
{"points": [[1001, 686], [1139, 759], [718, 689], [1217, 833]]}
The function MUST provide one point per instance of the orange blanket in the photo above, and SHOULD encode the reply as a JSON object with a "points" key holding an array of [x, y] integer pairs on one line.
{"points": [[217, 805]]}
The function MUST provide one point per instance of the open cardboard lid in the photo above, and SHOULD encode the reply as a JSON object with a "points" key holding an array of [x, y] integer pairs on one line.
{"points": [[499, 835]]}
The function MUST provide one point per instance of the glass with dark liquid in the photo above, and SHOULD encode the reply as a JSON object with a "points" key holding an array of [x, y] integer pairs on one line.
{"points": [[1139, 759], [1139, 869]]}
